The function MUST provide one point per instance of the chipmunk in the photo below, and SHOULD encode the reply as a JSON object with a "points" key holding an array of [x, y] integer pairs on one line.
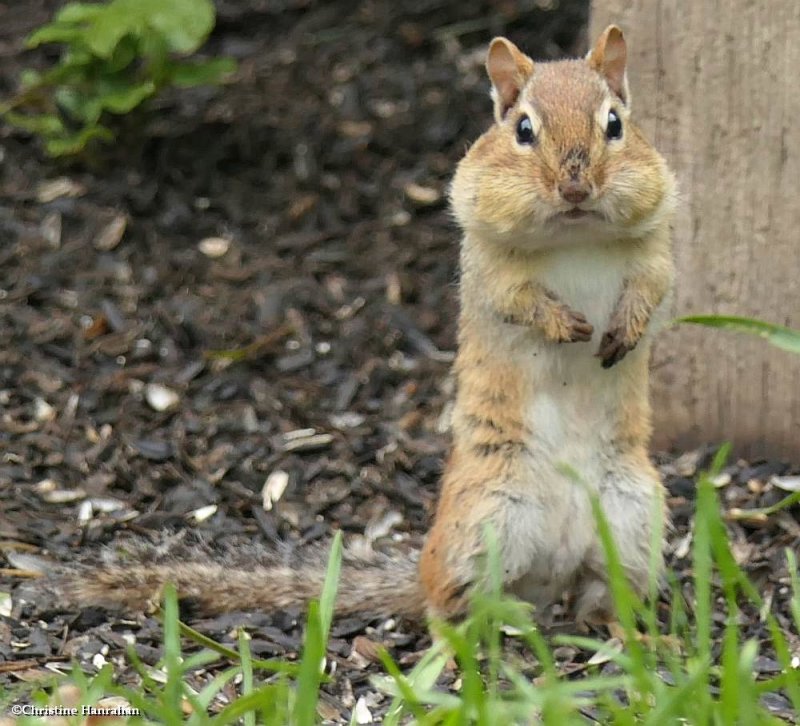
{"points": [[565, 265]]}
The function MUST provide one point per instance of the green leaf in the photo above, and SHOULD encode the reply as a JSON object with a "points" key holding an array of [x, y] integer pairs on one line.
{"points": [[208, 72], [75, 105], [327, 600], [112, 95], [318, 624], [127, 98], [794, 605], [124, 54], [184, 23], [309, 678], [247, 673], [116, 54], [702, 561], [777, 335], [173, 688], [29, 78], [46, 124], [55, 33], [72, 144], [108, 29], [78, 12], [78, 63]]}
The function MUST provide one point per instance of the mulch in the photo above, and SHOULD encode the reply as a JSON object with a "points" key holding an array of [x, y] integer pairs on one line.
{"points": [[240, 320]]}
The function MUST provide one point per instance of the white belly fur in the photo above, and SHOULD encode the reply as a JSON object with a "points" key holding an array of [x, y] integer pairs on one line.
{"points": [[570, 413], [574, 400]]}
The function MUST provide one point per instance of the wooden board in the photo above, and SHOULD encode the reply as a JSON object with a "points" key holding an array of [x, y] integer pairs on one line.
{"points": [[716, 86]]}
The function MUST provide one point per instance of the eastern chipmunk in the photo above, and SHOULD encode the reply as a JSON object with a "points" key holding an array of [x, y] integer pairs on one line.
{"points": [[565, 263]]}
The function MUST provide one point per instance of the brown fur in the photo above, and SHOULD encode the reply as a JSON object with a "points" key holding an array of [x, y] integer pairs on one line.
{"points": [[503, 194], [132, 575]]}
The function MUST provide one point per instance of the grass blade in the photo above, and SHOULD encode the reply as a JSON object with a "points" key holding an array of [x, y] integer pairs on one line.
{"points": [[777, 335], [319, 622], [327, 600], [247, 673], [173, 688], [307, 692]]}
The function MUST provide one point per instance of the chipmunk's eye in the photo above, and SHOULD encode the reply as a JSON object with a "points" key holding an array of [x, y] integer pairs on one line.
{"points": [[614, 128], [525, 133]]}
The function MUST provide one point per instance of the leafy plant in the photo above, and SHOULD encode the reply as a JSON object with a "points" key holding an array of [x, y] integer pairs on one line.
{"points": [[116, 55]]}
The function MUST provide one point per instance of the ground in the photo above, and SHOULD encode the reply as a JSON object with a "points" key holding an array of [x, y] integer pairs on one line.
{"points": [[156, 380]]}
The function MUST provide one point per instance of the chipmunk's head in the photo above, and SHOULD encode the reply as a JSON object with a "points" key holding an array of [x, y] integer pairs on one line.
{"points": [[563, 161]]}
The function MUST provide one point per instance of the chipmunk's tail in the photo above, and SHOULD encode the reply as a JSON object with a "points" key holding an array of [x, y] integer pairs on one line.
{"points": [[246, 577]]}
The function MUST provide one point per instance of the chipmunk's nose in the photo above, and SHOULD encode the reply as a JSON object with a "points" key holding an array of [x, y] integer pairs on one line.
{"points": [[574, 191]]}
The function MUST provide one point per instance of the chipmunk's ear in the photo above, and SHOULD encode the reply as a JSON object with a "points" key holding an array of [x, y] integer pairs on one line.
{"points": [[609, 57], [509, 69]]}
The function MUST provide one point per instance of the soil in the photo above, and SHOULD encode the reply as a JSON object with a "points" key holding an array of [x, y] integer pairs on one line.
{"points": [[255, 287]]}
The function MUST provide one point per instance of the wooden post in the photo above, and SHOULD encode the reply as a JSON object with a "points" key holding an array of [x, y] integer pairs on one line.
{"points": [[716, 87]]}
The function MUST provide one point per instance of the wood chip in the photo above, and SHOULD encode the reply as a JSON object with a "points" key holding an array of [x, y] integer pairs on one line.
{"points": [[611, 647], [787, 483], [273, 488], [421, 195], [310, 442], [355, 129], [160, 398], [111, 235], [48, 490], [214, 247], [203, 513], [361, 713], [755, 518], [43, 411], [51, 230], [721, 480], [367, 649], [347, 420], [52, 189]]}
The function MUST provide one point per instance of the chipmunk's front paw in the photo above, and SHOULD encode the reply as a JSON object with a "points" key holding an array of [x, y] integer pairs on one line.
{"points": [[569, 326], [614, 346]]}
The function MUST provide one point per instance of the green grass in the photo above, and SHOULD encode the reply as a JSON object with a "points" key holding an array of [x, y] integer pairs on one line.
{"points": [[777, 335], [682, 672]]}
